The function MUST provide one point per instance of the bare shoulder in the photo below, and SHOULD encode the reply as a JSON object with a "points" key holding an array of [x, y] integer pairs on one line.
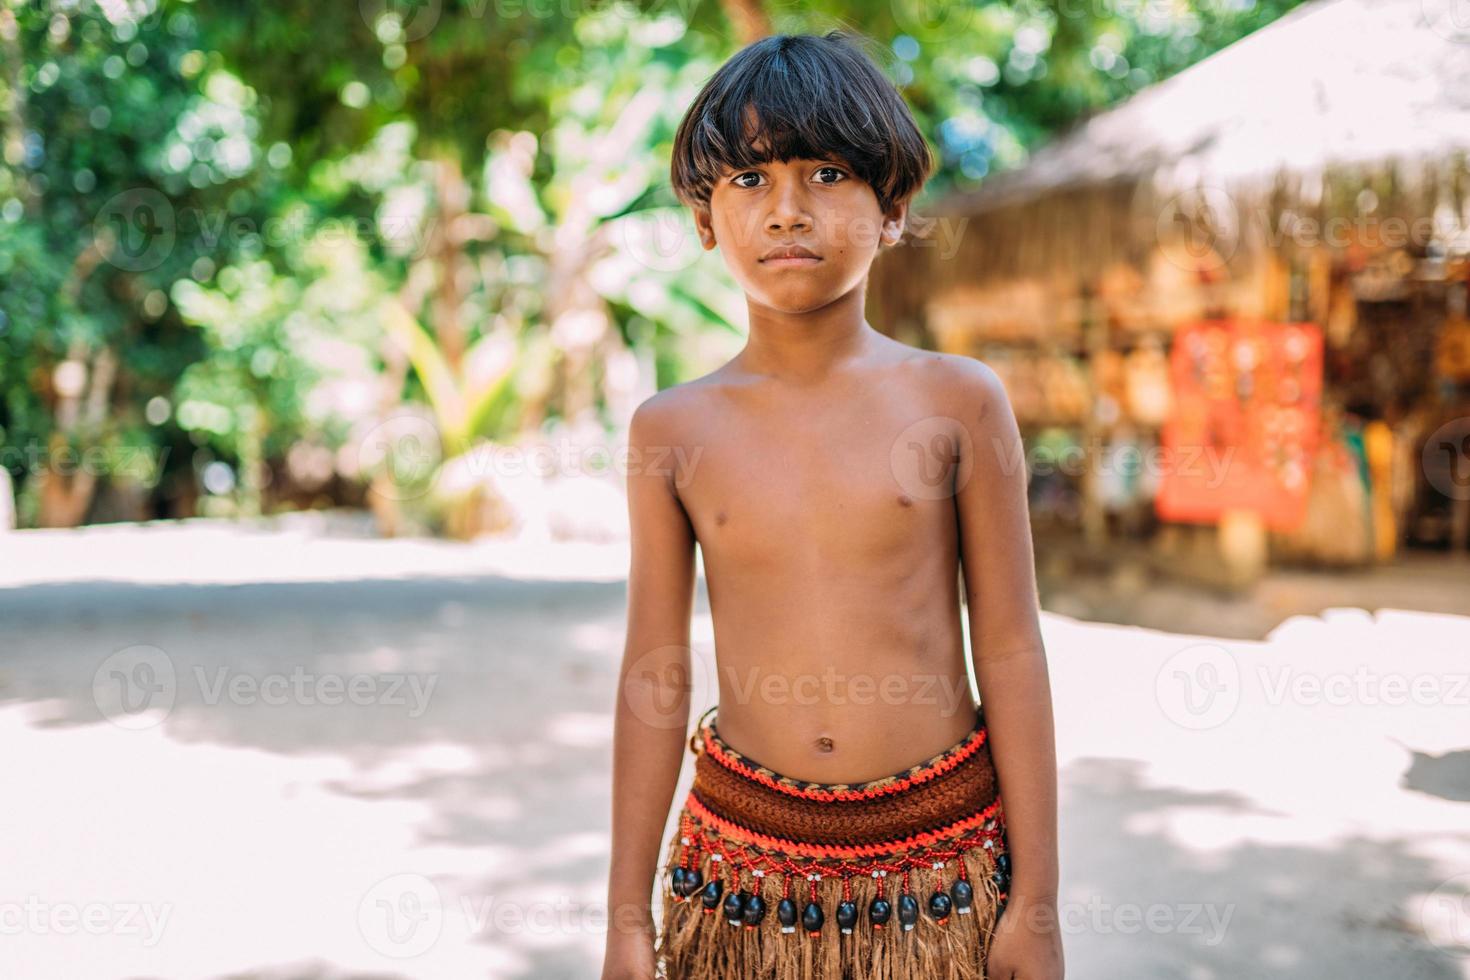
{"points": [[966, 388], [669, 414], [667, 426], [656, 419]]}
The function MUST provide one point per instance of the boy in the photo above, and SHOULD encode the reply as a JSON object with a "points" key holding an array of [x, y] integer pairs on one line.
{"points": [[837, 482]]}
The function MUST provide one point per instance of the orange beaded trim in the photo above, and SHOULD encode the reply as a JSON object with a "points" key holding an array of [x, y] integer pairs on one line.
{"points": [[839, 852]]}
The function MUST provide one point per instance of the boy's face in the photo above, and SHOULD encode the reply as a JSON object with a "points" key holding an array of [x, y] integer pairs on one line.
{"points": [[818, 205]]}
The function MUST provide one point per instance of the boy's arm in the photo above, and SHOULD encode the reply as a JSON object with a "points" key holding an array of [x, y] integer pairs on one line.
{"points": [[651, 715], [1005, 628]]}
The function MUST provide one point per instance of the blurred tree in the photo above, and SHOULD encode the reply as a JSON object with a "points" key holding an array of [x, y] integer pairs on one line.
{"points": [[992, 80], [988, 79], [290, 355], [503, 261], [113, 150], [515, 258]]}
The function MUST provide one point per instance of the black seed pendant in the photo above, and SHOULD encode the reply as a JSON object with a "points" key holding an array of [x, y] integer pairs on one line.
{"points": [[693, 881], [1003, 862], [1001, 879], [755, 910], [677, 882], [963, 894], [786, 912], [880, 910], [735, 907], [811, 917], [846, 916], [712, 893], [908, 910], [939, 905]]}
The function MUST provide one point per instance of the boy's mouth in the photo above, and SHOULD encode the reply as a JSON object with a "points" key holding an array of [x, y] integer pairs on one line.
{"points": [[790, 255]]}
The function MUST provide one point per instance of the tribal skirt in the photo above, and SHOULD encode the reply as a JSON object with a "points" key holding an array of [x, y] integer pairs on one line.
{"points": [[774, 878]]}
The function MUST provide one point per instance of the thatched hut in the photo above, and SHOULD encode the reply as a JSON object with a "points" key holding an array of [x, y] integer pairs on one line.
{"points": [[1317, 165]]}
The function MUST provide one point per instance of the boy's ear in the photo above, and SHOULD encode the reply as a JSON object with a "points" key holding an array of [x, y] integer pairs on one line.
{"points": [[893, 222], [704, 226]]}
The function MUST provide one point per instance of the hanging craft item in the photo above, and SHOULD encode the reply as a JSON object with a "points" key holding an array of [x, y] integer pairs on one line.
{"points": [[774, 878], [1337, 528], [1452, 352], [1149, 396], [1245, 419]]}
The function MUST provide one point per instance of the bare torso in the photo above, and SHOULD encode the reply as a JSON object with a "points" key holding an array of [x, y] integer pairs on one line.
{"points": [[831, 555]]}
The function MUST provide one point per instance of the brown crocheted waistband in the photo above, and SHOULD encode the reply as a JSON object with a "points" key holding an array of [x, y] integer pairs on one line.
{"points": [[943, 797]]}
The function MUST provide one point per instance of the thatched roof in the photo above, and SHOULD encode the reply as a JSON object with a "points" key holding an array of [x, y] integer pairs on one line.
{"points": [[1323, 131], [1332, 83]]}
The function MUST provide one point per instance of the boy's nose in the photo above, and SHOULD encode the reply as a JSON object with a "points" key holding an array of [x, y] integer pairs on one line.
{"points": [[789, 210]]}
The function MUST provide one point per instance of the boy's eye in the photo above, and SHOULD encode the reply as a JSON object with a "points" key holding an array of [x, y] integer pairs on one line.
{"points": [[835, 176]]}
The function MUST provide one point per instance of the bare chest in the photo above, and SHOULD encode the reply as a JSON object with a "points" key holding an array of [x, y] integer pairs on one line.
{"points": [[842, 486]]}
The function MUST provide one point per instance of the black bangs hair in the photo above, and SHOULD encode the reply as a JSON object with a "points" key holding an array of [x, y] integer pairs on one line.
{"points": [[800, 96]]}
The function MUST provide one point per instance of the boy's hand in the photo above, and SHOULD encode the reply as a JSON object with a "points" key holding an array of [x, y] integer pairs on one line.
{"points": [[1028, 942], [628, 958]]}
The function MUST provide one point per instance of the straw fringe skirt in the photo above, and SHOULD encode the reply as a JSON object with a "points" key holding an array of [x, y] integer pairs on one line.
{"points": [[773, 878]]}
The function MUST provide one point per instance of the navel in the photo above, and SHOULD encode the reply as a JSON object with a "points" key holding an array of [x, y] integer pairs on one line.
{"points": [[905, 500], [824, 744]]}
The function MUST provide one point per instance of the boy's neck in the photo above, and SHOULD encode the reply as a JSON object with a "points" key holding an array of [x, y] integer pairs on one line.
{"points": [[805, 347]]}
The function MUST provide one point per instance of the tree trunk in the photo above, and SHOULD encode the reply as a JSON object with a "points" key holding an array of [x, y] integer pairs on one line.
{"points": [[749, 19], [66, 497], [13, 116], [447, 253]]}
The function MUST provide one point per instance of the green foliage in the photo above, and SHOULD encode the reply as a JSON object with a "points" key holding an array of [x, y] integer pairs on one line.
{"points": [[113, 148], [992, 80], [261, 210]]}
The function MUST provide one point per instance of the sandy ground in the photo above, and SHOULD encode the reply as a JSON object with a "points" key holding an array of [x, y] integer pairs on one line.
{"points": [[233, 753]]}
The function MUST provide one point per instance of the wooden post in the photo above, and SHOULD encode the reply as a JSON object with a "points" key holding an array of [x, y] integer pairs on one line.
{"points": [[1241, 539], [7, 502], [1094, 521]]}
